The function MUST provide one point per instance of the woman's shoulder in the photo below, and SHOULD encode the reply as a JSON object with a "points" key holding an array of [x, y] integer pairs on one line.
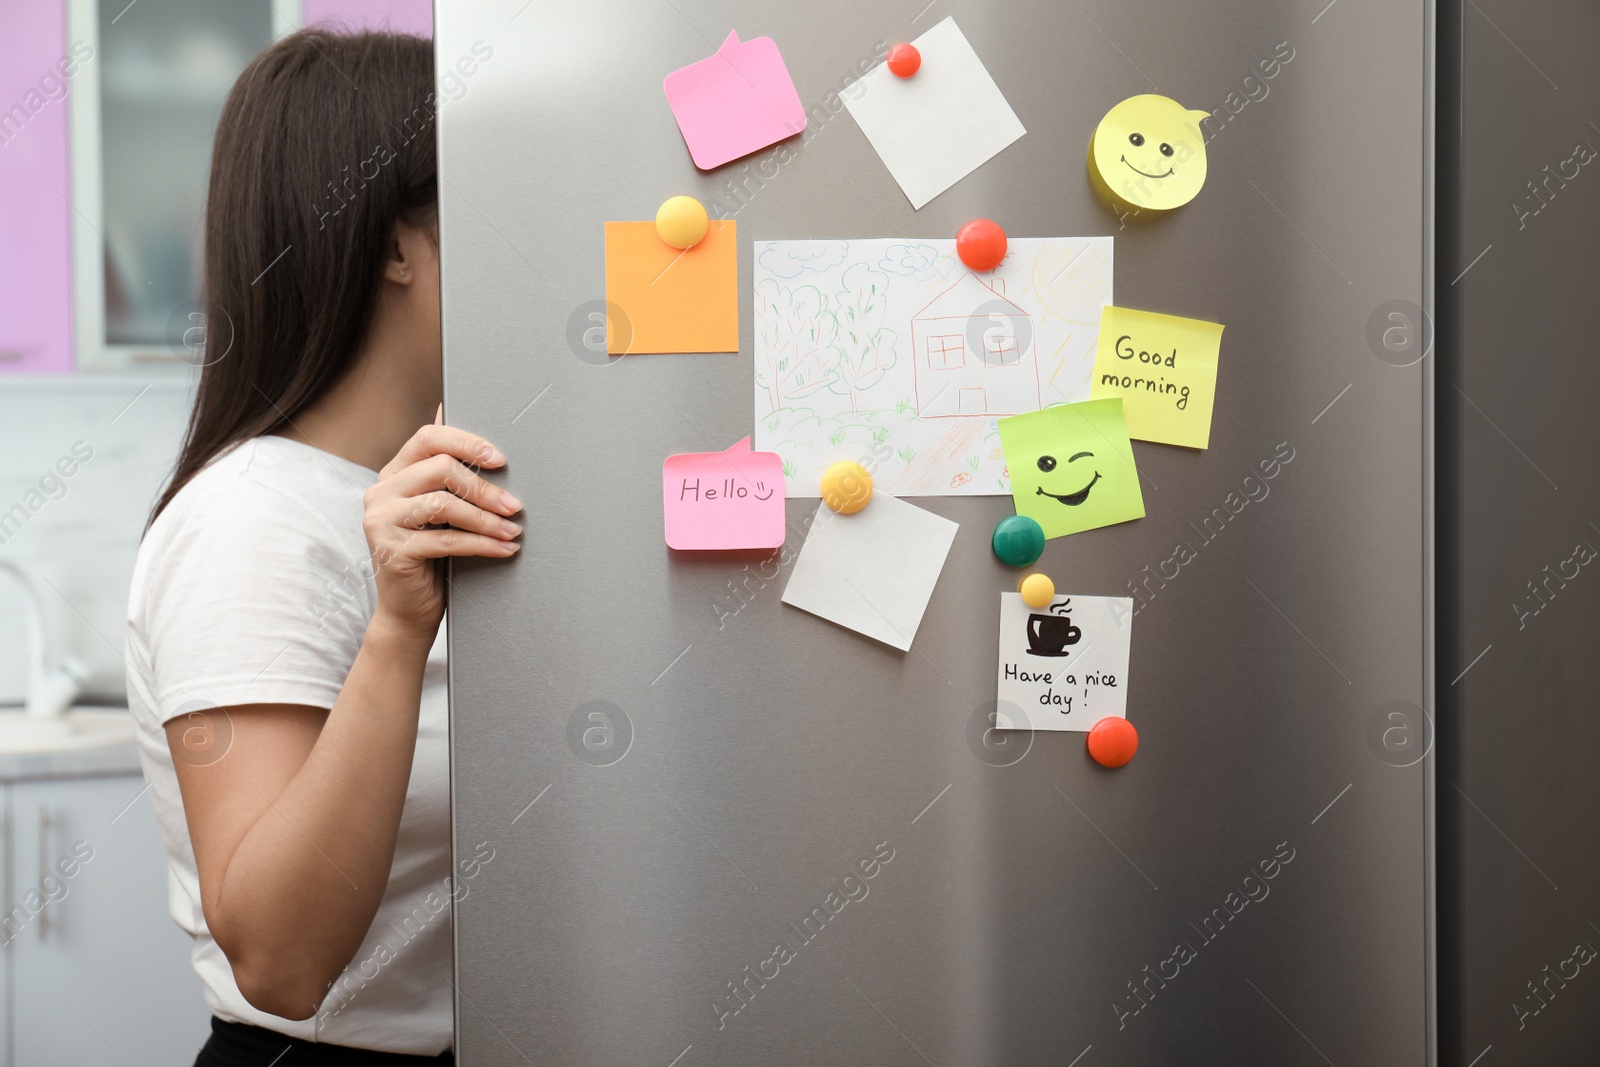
{"points": [[266, 483], [270, 467], [268, 499], [258, 562]]}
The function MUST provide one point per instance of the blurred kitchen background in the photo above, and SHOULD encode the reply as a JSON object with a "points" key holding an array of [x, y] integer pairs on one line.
{"points": [[107, 111]]}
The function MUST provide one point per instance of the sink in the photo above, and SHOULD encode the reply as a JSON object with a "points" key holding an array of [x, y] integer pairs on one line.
{"points": [[78, 728]]}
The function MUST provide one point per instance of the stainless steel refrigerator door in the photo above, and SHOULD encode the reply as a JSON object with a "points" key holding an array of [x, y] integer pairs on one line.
{"points": [[1519, 797], [672, 771]]}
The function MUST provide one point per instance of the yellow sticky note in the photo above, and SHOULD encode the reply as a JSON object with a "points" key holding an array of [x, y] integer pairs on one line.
{"points": [[1165, 370], [664, 299]]}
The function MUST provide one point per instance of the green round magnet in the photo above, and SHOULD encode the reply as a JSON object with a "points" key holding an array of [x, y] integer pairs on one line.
{"points": [[1018, 541]]}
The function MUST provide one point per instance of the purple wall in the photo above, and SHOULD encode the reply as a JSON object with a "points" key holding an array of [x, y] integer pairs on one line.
{"points": [[35, 220], [401, 16]]}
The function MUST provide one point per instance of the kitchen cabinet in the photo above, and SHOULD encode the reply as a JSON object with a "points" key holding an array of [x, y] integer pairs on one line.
{"points": [[143, 87], [6, 1026], [96, 973]]}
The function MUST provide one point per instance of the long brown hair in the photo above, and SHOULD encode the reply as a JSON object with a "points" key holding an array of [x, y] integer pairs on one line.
{"points": [[326, 140]]}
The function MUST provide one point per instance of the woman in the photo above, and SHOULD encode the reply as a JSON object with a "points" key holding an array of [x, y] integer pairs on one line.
{"points": [[283, 667]]}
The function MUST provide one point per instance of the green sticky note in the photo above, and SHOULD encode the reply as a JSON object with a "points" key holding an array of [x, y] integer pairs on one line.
{"points": [[1072, 466]]}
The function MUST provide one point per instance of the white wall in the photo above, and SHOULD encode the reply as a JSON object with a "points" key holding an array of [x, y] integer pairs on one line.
{"points": [[80, 532]]}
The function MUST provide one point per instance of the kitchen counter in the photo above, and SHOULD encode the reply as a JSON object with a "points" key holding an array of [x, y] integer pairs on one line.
{"points": [[70, 763]]}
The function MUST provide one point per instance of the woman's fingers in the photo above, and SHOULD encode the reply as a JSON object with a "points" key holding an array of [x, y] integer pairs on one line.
{"points": [[447, 473], [444, 508], [431, 483], [437, 544], [444, 440]]}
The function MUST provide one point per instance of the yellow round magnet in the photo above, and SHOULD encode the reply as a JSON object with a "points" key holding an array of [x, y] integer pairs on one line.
{"points": [[846, 487], [1149, 152], [682, 221], [1037, 590]]}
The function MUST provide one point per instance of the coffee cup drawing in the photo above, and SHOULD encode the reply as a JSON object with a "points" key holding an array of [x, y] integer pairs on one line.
{"points": [[1050, 634]]}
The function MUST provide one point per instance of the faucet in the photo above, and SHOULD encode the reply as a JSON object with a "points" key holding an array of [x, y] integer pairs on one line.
{"points": [[52, 687]]}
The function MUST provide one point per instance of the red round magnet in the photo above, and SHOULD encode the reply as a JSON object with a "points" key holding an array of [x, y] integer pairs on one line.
{"points": [[1113, 741], [981, 244], [904, 60]]}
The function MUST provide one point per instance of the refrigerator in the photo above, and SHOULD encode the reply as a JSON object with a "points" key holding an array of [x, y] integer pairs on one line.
{"points": [[697, 826], [1518, 797]]}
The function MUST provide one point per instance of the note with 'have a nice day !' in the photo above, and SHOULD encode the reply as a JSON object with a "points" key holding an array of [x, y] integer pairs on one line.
{"points": [[1165, 370]]}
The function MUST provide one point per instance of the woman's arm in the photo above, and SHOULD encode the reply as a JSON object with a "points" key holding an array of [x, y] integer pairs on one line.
{"points": [[294, 827]]}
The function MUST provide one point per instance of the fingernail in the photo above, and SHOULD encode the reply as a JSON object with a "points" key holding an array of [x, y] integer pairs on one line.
{"points": [[492, 457], [509, 502], [511, 547], [509, 528]]}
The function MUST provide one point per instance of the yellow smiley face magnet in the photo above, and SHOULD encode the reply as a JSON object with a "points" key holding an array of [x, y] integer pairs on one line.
{"points": [[1148, 153]]}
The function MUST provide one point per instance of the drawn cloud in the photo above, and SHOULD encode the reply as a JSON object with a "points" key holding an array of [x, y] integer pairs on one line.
{"points": [[921, 262], [790, 259]]}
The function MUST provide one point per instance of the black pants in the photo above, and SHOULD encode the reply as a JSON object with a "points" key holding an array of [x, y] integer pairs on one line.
{"points": [[242, 1045]]}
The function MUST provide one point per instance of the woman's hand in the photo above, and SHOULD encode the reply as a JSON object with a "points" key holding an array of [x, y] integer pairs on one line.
{"points": [[429, 484]]}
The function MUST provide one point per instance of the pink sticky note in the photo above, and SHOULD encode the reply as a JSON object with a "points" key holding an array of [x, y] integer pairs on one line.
{"points": [[735, 102], [723, 500]]}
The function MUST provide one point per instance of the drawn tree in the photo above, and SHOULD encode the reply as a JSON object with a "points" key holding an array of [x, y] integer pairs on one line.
{"points": [[863, 348], [794, 341]]}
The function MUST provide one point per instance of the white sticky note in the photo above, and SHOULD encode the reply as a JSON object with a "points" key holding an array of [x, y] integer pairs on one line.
{"points": [[872, 571], [1063, 667], [939, 125]]}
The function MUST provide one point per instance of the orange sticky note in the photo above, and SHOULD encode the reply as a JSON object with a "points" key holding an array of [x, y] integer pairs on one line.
{"points": [[666, 300]]}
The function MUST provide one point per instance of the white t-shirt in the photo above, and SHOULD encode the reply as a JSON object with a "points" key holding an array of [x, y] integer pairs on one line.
{"points": [[254, 586]]}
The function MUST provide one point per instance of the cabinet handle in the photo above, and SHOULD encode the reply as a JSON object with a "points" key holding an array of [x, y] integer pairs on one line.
{"points": [[44, 848]]}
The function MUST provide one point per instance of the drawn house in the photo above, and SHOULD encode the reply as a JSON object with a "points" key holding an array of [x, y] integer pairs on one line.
{"points": [[974, 353]]}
